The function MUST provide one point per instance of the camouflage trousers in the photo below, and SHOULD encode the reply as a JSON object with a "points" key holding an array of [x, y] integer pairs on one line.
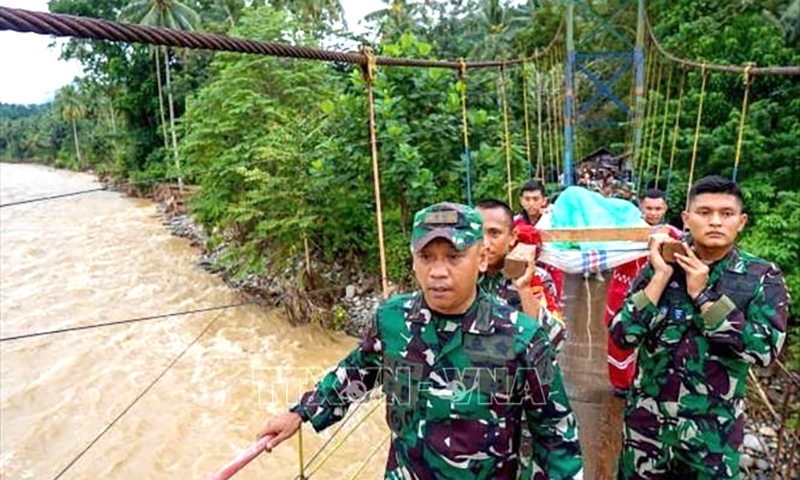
{"points": [[649, 457], [527, 466]]}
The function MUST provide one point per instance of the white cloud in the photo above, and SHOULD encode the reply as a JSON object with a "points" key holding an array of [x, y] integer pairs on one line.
{"points": [[356, 10], [32, 71]]}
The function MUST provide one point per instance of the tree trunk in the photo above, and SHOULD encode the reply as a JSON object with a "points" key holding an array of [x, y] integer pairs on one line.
{"points": [[172, 122], [161, 100], [113, 118], [77, 147]]}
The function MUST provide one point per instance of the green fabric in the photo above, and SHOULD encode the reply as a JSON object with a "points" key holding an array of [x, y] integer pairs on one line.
{"points": [[578, 207], [455, 402], [460, 224], [687, 401]]}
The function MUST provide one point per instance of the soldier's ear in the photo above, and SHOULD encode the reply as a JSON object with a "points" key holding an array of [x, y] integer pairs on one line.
{"points": [[483, 257], [742, 222]]}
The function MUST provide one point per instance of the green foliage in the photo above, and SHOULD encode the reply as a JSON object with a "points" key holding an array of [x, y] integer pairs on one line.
{"points": [[280, 147], [250, 144]]}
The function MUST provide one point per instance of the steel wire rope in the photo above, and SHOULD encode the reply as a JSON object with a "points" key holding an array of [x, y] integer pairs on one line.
{"points": [[675, 132], [540, 167], [162, 316], [61, 25], [638, 147], [664, 125], [506, 130], [742, 120], [138, 397], [525, 112], [52, 197], [342, 424], [648, 151], [462, 75], [123, 322], [784, 70], [650, 78], [698, 124]]}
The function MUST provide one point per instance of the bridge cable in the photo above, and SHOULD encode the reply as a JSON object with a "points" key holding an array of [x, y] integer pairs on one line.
{"points": [[122, 322], [697, 132], [742, 120], [675, 132], [52, 197], [664, 125], [138, 397]]}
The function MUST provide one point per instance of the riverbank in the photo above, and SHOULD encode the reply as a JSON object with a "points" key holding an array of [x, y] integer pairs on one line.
{"points": [[333, 296]]}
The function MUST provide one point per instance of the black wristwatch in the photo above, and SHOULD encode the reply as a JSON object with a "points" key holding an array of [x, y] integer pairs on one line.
{"points": [[705, 296]]}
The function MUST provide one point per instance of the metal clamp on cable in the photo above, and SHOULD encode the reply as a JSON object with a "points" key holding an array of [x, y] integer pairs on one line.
{"points": [[371, 68]]}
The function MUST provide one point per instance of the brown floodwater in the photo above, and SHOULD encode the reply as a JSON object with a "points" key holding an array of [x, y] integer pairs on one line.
{"points": [[102, 257]]}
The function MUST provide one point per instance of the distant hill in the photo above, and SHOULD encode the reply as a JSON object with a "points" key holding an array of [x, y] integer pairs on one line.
{"points": [[13, 111]]}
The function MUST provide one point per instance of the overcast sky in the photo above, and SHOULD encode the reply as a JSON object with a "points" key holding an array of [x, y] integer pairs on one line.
{"points": [[32, 72]]}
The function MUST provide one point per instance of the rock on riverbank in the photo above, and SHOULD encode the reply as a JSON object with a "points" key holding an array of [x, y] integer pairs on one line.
{"points": [[336, 297]]}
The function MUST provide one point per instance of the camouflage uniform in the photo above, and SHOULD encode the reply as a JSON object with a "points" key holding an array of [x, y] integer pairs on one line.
{"points": [[455, 385], [552, 323], [549, 315], [685, 412]]}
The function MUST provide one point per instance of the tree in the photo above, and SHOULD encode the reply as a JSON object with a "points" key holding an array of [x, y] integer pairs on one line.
{"points": [[319, 15], [72, 109], [170, 14], [789, 23], [223, 13]]}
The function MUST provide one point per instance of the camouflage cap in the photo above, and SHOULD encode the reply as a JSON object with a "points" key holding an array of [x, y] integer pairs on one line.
{"points": [[459, 224]]}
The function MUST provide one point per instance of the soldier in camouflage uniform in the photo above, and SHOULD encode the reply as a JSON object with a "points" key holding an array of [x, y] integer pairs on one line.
{"points": [[458, 368], [699, 324], [533, 293]]}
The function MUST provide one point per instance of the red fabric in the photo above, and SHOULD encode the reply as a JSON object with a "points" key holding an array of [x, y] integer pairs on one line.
{"points": [[528, 234], [622, 362], [558, 278], [622, 372], [552, 303]]}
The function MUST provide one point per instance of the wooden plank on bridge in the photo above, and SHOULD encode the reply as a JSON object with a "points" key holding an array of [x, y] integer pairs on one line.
{"points": [[634, 234]]}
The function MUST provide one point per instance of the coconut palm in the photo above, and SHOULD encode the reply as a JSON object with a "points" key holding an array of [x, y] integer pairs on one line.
{"points": [[170, 14], [224, 12], [399, 16], [72, 109]]}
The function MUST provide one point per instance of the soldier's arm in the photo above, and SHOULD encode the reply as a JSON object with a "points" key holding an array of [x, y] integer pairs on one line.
{"points": [[757, 334], [549, 414], [634, 320], [346, 383]]}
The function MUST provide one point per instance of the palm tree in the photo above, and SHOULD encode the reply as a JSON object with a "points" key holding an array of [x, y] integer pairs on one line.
{"points": [[495, 26], [72, 109], [398, 16], [318, 14], [170, 14], [224, 12]]}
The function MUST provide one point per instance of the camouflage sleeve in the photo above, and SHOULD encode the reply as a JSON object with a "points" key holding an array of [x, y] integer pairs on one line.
{"points": [[346, 383], [756, 335], [635, 318], [549, 414]]}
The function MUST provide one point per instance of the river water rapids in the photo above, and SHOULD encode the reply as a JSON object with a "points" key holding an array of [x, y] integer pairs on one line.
{"points": [[102, 257]]}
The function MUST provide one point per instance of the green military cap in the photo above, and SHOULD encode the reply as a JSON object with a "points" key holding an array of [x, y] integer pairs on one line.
{"points": [[627, 186], [460, 224]]}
